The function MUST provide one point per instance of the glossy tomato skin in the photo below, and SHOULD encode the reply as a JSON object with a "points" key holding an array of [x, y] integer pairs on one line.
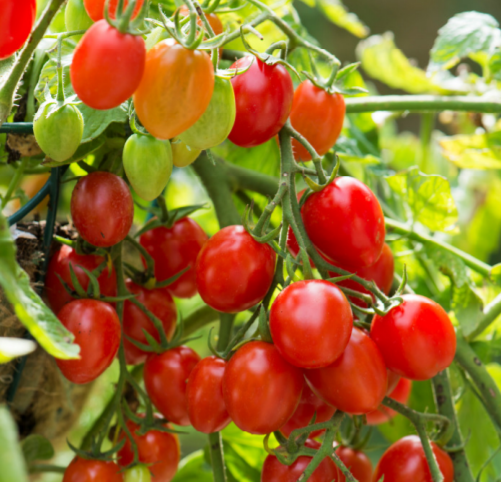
{"points": [[16, 22], [311, 323], [95, 8], [102, 208], [160, 303], [204, 394], [308, 406], [160, 449], [274, 471], [60, 263], [82, 470], [400, 393], [174, 249], [318, 116], [405, 461], [356, 382], [255, 379], [263, 97], [97, 331], [107, 66], [346, 223], [416, 338], [165, 378], [234, 271], [175, 90], [357, 462]]}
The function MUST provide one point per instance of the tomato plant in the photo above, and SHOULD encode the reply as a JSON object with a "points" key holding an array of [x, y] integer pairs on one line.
{"points": [[183, 155], [359, 464], [401, 393], [16, 23], [82, 470], [95, 8], [76, 16]]}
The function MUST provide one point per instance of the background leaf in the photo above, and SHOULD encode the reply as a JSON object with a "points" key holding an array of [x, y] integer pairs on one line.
{"points": [[194, 468], [36, 447], [338, 14], [12, 465]]}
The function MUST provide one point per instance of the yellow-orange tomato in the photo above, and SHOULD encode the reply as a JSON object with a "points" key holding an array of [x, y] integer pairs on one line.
{"points": [[175, 90]]}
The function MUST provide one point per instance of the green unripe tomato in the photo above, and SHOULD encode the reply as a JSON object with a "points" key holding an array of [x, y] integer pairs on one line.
{"points": [[216, 122], [182, 155], [58, 130], [139, 473], [76, 17], [148, 165]]}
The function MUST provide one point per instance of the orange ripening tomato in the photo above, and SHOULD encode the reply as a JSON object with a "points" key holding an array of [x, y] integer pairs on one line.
{"points": [[318, 116], [175, 90], [95, 8]]}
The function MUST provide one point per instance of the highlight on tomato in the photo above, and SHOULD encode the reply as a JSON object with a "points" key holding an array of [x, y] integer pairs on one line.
{"points": [[16, 22]]}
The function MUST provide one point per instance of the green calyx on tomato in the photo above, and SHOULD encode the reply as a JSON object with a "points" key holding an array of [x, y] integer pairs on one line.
{"points": [[216, 122], [58, 129], [148, 164]]}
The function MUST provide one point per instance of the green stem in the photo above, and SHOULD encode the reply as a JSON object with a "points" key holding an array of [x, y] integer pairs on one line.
{"points": [[14, 182], [225, 330], [9, 87], [445, 406], [216, 456], [43, 468], [491, 312], [427, 122], [38, 62]]}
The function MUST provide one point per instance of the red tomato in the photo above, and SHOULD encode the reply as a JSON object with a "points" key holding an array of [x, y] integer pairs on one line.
{"points": [[102, 208], [83, 470], [161, 304], [416, 338], [383, 414], [160, 449], [95, 8], [359, 464], [311, 322], [263, 96], [175, 90], [308, 406], [261, 390], [16, 22], [274, 471], [60, 263], [381, 272], [97, 331], [318, 116], [204, 394], [107, 66], [393, 380], [356, 382], [345, 221], [405, 461], [234, 271], [165, 378], [174, 249]]}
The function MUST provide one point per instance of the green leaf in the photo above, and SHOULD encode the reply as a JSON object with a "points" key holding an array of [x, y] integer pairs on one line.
{"points": [[464, 34], [32, 312], [338, 14], [194, 468], [348, 150], [382, 60], [11, 348], [427, 196], [12, 465], [36, 447]]}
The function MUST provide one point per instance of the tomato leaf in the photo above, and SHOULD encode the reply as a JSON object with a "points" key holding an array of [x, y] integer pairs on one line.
{"points": [[11, 348], [11, 458], [349, 151], [36, 447], [32, 312], [194, 468], [428, 198]]}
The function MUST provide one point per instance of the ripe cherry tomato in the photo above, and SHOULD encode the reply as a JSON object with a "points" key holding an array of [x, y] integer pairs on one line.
{"points": [[248, 268], [274, 471], [416, 338], [107, 66], [357, 462], [318, 116], [175, 90], [261, 390], [204, 394], [309, 405], [165, 378], [102, 208], [264, 100], [97, 331], [16, 23], [173, 250], [356, 382], [160, 449], [345, 221], [381, 272], [405, 461], [311, 322], [95, 8], [161, 304], [383, 414], [83, 470]]}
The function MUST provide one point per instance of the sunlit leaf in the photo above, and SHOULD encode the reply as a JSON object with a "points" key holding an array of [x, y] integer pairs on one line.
{"points": [[11, 348], [13, 467], [338, 14]]}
